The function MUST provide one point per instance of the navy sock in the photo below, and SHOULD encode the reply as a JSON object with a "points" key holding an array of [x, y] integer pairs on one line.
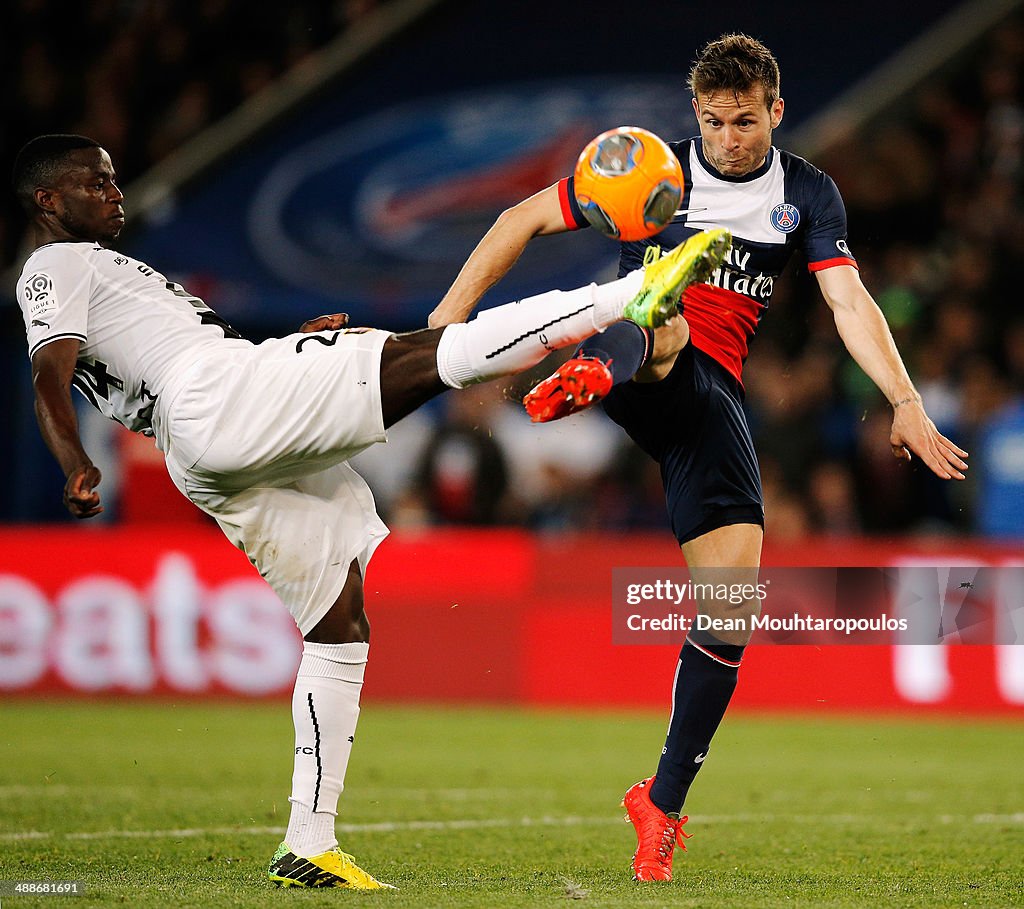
{"points": [[705, 681], [626, 344]]}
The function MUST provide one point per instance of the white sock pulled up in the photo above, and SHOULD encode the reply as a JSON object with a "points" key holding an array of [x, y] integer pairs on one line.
{"points": [[516, 336], [325, 709]]}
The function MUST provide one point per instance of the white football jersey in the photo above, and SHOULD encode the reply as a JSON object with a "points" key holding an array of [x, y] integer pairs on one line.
{"points": [[139, 331]]}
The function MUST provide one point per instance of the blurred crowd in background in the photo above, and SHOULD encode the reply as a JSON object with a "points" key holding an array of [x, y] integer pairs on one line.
{"points": [[933, 193], [145, 75]]}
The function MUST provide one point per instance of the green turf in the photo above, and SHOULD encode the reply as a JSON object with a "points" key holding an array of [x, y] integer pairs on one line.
{"points": [[788, 812]]}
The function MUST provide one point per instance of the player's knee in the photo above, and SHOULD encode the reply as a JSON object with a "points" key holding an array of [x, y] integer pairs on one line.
{"points": [[729, 622], [669, 340], [733, 631], [345, 622]]}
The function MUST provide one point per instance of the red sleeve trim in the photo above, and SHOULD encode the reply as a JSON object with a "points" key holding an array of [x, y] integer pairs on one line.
{"points": [[566, 205], [831, 263]]}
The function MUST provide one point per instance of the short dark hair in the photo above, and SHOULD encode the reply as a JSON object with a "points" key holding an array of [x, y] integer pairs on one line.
{"points": [[39, 162], [735, 63]]}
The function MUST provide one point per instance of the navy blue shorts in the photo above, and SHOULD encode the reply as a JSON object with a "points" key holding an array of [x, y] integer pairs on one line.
{"points": [[692, 423]]}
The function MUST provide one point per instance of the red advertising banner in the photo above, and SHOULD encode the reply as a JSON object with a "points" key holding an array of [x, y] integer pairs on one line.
{"points": [[457, 616]]}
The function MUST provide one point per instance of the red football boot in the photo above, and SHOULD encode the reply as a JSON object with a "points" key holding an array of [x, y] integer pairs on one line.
{"points": [[576, 384], [657, 834]]}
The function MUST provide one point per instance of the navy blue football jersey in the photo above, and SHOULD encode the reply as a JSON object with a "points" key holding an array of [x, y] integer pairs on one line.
{"points": [[785, 205]]}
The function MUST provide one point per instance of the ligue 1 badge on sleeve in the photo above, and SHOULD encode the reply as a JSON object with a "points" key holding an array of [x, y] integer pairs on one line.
{"points": [[39, 291], [785, 217]]}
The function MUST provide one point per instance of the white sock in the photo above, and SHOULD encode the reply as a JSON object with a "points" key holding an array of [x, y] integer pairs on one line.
{"points": [[610, 299], [516, 336], [325, 708]]}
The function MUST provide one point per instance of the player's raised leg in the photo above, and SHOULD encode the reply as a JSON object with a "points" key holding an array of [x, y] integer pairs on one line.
{"points": [[606, 361], [514, 337], [325, 709]]}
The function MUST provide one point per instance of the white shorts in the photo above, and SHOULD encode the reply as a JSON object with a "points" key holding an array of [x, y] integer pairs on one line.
{"points": [[258, 439]]}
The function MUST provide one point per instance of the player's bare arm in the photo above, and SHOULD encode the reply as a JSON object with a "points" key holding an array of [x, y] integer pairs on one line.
{"points": [[497, 252], [53, 367], [867, 337]]}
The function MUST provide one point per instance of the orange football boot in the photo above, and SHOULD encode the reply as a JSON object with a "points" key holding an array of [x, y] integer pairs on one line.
{"points": [[576, 384], [657, 834]]}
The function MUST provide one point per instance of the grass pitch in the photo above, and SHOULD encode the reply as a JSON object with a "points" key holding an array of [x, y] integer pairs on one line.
{"points": [[162, 805]]}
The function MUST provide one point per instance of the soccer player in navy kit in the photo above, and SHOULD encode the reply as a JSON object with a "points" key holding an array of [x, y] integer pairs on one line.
{"points": [[678, 391]]}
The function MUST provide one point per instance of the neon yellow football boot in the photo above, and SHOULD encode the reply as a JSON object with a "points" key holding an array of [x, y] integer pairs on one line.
{"points": [[333, 868], [666, 278]]}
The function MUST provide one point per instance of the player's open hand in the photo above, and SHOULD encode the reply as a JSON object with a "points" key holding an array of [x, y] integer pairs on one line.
{"points": [[80, 495], [325, 323], [912, 430]]}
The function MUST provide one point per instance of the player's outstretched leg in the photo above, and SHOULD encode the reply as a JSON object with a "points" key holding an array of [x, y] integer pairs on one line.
{"points": [[582, 380], [512, 338]]}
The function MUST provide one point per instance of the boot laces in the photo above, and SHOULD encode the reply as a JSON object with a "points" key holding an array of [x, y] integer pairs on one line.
{"points": [[652, 254], [667, 836]]}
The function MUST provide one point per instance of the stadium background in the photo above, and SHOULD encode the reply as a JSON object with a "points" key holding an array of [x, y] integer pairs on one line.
{"points": [[348, 158]]}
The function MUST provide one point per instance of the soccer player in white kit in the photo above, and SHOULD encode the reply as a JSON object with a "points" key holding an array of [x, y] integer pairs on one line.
{"points": [[258, 436]]}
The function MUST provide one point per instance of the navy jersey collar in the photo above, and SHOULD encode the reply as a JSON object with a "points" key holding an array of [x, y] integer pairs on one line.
{"points": [[698, 144]]}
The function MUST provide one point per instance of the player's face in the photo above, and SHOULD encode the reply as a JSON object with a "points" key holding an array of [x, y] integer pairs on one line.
{"points": [[736, 130], [86, 202]]}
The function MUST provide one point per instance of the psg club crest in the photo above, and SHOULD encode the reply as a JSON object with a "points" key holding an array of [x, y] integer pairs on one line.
{"points": [[785, 217]]}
